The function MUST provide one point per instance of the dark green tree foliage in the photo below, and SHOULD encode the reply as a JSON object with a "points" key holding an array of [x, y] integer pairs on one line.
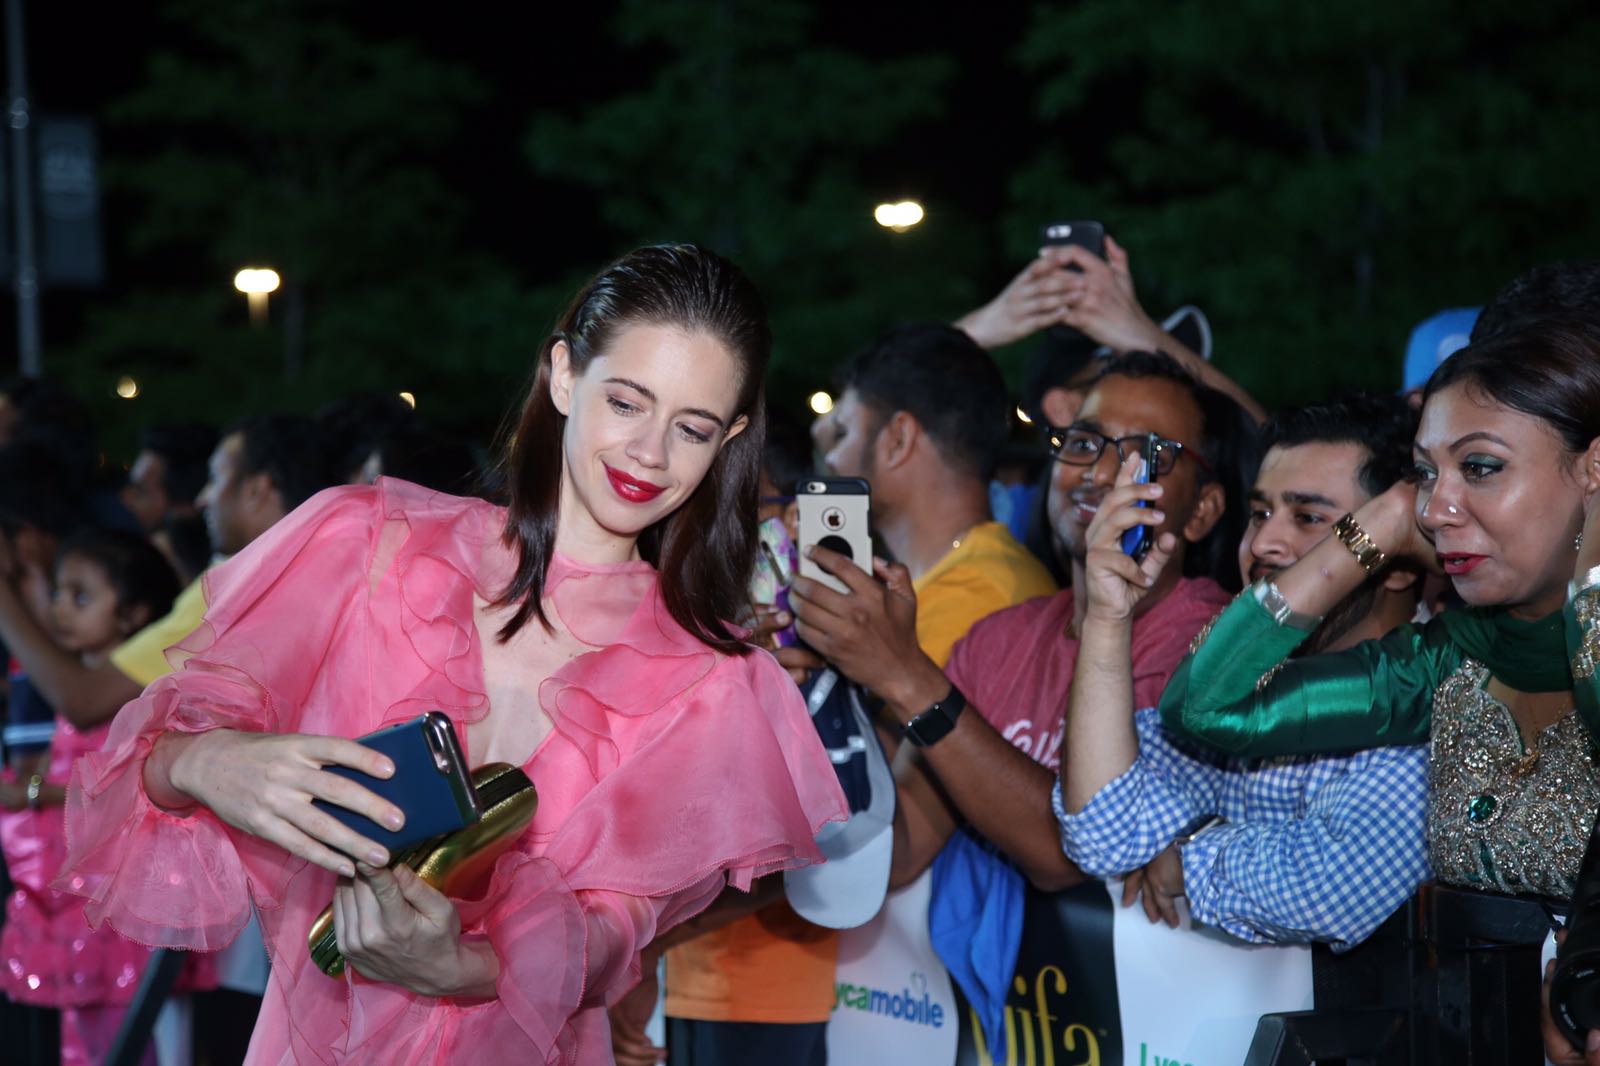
{"points": [[273, 133], [1319, 177], [751, 136]]}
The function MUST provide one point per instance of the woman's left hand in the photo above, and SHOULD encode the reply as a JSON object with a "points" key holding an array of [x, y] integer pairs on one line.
{"points": [[395, 927]]}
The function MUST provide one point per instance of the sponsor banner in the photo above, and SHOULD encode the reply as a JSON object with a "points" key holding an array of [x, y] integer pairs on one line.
{"points": [[893, 1000], [1099, 984]]}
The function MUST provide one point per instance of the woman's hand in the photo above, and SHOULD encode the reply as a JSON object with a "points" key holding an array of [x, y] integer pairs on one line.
{"points": [[1115, 582], [264, 783], [393, 926], [1100, 301], [631, 1014]]}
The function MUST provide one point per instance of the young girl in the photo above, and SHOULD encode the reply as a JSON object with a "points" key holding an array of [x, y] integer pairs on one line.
{"points": [[107, 585], [581, 633]]}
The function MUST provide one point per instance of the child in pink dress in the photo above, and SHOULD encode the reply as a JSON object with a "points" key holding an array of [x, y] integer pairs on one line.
{"points": [[578, 633], [107, 585]]}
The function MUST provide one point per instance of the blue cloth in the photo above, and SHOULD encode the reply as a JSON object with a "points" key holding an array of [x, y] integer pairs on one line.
{"points": [[975, 923], [1012, 506], [1314, 848]]}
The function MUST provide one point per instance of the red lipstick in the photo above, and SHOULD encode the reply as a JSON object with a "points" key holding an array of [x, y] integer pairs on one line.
{"points": [[1458, 563], [631, 488]]}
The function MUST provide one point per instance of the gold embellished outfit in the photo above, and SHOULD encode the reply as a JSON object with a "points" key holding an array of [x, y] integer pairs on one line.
{"points": [[1501, 817]]}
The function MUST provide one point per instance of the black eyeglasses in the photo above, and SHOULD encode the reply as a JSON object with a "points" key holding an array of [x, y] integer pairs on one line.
{"points": [[1081, 446]]}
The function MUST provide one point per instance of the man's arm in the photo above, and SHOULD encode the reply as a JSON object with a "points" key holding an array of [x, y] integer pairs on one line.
{"points": [[1333, 875], [83, 695], [1099, 301], [870, 636]]}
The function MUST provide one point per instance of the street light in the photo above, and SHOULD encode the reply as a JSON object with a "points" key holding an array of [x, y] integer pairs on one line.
{"points": [[127, 388], [821, 402], [409, 399], [256, 283], [898, 217]]}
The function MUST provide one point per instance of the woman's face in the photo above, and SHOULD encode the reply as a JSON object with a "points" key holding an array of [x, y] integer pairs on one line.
{"points": [[644, 421], [1499, 497], [84, 607]]}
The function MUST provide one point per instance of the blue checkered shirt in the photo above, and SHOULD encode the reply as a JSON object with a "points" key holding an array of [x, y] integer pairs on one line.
{"points": [[1312, 848]]}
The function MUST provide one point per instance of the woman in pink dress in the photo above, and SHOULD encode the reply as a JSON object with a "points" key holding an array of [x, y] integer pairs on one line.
{"points": [[578, 634], [107, 585]]}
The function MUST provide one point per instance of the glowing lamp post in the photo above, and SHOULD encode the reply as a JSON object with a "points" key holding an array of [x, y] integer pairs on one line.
{"points": [[821, 403], [898, 217], [256, 283]]}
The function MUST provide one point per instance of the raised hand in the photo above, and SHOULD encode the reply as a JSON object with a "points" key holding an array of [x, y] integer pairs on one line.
{"points": [[1115, 582], [1032, 300]]}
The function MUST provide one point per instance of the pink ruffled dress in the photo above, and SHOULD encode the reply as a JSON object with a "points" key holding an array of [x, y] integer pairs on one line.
{"points": [[670, 771], [51, 956]]}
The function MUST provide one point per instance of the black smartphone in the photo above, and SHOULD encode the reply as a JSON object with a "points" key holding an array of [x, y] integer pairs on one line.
{"points": [[430, 783], [834, 513], [1088, 235], [1136, 542]]}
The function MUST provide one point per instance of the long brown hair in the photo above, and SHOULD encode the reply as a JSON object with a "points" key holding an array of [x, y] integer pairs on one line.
{"points": [[704, 550]]}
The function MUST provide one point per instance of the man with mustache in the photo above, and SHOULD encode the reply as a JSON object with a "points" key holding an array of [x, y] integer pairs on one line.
{"points": [[1291, 850]]}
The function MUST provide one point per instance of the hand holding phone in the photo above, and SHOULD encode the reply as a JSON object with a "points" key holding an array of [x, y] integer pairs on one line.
{"points": [[834, 514], [430, 784], [1136, 542]]}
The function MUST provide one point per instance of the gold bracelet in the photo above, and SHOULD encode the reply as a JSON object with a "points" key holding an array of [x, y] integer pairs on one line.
{"points": [[1363, 547], [35, 786]]}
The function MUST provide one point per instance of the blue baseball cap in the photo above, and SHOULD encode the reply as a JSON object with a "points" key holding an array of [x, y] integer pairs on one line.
{"points": [[1434, 340]]}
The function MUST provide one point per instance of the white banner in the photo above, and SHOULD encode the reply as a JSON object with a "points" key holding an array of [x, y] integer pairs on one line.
{"points": [[1095, 983], [893, 1002]]}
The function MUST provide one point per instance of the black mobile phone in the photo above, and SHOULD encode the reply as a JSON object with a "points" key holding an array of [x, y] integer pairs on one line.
{"points": [[1136, 542], [1088, 235], [834, 513], [430, 785]]}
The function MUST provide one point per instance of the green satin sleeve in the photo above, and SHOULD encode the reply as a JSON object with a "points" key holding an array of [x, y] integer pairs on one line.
{"points": [[1582, 613], [1240, 692]]}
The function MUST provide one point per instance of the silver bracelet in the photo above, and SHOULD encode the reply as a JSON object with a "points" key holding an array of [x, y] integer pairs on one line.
{"points": [[1271, 599]]}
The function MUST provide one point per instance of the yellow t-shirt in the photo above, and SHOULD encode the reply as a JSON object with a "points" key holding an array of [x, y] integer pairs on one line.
{"points": [[985, 571], [774, 966], [143, 656]]}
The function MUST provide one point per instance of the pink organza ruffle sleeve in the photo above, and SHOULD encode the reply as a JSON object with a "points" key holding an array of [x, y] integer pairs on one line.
{"points": [[180, 879]]}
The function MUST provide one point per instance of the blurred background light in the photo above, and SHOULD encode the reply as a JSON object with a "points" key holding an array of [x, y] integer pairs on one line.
{"points": [[1022, 416], [253, 280], [898, 217], [821, 402], [410, 399], [127, 388]]}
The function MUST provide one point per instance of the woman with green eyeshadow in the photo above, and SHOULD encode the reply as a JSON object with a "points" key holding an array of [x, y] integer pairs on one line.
{"points": [[1506, 499]]}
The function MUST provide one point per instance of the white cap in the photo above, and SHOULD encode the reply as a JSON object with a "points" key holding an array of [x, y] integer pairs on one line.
{"points": [[848, 888]]}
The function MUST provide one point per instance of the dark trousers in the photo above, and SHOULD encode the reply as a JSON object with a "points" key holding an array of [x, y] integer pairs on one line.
{"points": [[695, 1043]]}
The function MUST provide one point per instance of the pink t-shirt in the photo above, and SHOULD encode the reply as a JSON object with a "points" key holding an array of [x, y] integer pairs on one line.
{"points": [[1016, 665]]}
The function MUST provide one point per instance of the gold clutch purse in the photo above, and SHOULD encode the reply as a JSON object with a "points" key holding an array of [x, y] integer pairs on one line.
{"points": [[456, 863]]}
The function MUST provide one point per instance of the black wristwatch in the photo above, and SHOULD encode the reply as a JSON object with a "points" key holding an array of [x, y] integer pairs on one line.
{"points": [[931, 725]]}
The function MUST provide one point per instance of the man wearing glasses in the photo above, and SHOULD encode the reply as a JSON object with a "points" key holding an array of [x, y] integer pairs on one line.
{"points": [[989, 726]]}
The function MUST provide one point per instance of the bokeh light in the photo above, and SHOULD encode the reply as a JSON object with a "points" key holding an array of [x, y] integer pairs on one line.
{"points": [[127, 388], [256, 280], [821, 402], [898, 217]]}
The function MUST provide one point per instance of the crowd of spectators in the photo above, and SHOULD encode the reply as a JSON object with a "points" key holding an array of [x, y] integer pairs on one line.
{"points": [[1354, 650]]}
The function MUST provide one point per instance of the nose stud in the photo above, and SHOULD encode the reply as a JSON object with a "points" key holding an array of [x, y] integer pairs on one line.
{"points": [[1450, 508]]}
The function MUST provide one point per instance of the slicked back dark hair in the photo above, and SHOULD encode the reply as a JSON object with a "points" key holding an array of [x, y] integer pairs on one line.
{"points": [[944, 380], [703, 551], [138, 573], [1547, 367], [1384, 425], [1547, 289], [1231, 444], [291, 451]]}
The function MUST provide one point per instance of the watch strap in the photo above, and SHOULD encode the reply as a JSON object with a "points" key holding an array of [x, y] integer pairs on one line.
{"points": [[933, 724]]}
